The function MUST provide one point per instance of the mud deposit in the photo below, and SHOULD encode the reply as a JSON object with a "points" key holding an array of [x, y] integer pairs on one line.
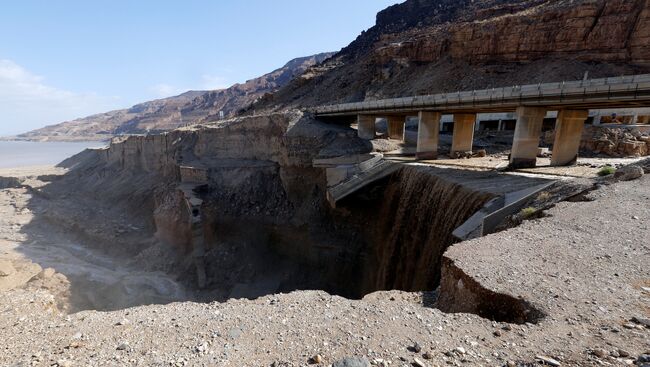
{"points": [[102, 282]]}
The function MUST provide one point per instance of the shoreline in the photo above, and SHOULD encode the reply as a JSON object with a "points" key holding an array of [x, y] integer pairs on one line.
{"points": [[17, 154], [55, 140]]}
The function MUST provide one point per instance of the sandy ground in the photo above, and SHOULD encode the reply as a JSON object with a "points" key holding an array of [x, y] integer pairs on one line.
{"points": [[585, 266]]}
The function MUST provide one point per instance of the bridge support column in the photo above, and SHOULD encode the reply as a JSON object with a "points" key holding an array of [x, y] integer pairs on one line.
{"points": [[463, 137], [366, 127], [527, 132], [597, 119], [428, 135], [396, 126], [568, 132]]}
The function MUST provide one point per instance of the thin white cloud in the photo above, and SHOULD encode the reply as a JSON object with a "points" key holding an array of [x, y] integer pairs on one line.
{"points": [[166, 90], [212, 82], [27, 102], [207, 82]]}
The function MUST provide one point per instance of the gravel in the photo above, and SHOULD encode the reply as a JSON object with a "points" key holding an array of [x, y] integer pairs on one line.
{"points": [[585, 265]]}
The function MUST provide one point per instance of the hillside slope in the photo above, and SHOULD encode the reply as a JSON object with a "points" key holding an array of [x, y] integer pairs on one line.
{"points": [[170, 113], [431, 46]]}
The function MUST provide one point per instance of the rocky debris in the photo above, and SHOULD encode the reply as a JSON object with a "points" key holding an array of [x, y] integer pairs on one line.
{"points": [[644, 358], [548, 361], [352, 362], [642, 321], [600, 353], [415, 348], [623, 353], [612, 142], [317, 359], [629, 173], [473, 154]]}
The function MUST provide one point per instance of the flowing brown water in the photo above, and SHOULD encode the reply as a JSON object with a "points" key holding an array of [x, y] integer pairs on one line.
{"points": [[418, 213]]}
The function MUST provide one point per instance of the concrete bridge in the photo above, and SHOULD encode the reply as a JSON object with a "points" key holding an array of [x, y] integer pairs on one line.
{"points": [[572, 100]]}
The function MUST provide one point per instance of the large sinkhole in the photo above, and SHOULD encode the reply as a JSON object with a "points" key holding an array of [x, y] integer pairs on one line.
{"points": [[275, 232], [389, 236]]}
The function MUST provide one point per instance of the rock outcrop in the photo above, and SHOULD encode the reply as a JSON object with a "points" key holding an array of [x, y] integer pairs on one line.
{"points": [[610, 141], [615, 142]]}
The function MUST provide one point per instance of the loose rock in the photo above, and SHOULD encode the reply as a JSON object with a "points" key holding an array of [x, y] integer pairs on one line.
{"points": [[548, 360], [600, 353], [417, 348], [352, 362], [629, 173]]}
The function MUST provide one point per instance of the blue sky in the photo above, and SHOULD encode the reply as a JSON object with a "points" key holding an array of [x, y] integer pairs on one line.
{"points": [[65, 59]]}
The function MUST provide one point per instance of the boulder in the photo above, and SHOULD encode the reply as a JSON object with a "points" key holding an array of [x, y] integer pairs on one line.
{"points": [[634, 148], [629, 173], [352, 362]]}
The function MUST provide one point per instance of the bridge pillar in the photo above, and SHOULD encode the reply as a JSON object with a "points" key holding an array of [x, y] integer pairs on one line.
{"points": [[366, 127], [527, 132], [597, 120], [428, 135], [568, 132], [463, 137], [396, 126]]}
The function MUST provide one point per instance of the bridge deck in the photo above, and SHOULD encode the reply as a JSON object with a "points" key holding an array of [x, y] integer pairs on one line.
{"points": [[625, 91]]}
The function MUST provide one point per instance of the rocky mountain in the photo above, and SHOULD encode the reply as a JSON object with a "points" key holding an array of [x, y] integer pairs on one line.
{"points": [[169, 113], [431, 46]]}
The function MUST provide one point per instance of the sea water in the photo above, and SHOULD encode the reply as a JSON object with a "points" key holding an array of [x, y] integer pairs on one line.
{"points": [[15, 154]]}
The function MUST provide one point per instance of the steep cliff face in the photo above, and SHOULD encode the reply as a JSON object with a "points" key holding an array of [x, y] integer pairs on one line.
{"points": [[422, 47], [259, 176], [591, 31], [169, 113]]}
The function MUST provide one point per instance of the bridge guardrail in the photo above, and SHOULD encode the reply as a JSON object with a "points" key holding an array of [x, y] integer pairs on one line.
{"points": [[593, 88]]}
